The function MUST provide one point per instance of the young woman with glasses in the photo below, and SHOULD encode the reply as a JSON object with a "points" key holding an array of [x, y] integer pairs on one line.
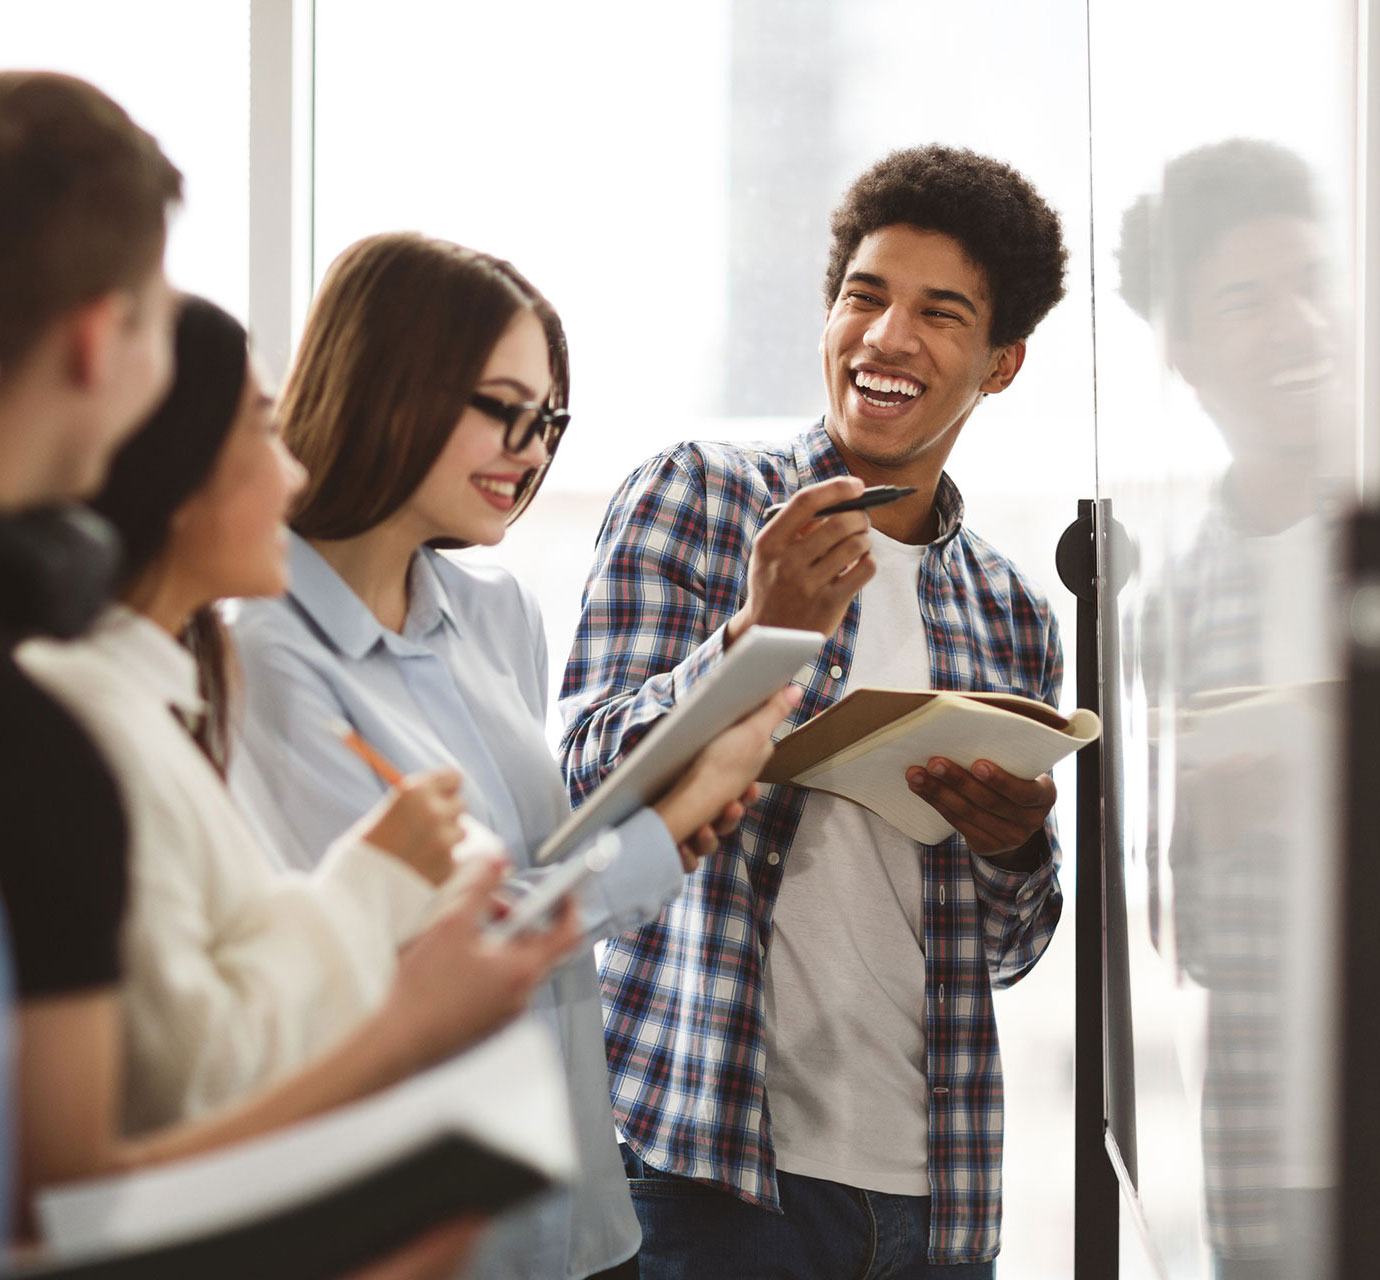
{"points": [[426, 401]]}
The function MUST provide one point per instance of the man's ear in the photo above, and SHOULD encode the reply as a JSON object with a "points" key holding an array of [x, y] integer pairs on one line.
{"points": [[92, 339], [1005, 367]]}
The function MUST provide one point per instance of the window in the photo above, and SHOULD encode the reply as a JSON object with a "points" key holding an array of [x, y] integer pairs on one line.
{"points": [[182, 71]]}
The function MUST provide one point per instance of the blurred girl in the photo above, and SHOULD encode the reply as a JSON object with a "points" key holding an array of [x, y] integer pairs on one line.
{"points": [[236, 976]]}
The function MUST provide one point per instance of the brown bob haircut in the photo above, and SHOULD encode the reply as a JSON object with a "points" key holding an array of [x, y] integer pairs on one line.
{"points": [[84, 195], [394, 346]]}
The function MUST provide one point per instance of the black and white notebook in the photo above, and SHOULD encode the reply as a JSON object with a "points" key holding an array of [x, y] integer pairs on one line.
{"points": [[480, 1133]]}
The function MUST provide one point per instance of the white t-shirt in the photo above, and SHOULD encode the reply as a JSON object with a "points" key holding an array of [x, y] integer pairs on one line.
{"points": [[845, 979]]}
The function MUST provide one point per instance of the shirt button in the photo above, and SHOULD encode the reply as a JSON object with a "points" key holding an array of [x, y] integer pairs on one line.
{"points": [[773, 858], [836, 671]]}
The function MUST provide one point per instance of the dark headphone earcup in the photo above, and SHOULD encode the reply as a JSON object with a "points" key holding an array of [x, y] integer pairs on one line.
{"points": [[58, 568]]}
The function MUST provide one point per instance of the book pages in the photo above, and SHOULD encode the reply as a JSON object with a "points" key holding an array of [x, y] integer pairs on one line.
{"points": [[960, 727]]}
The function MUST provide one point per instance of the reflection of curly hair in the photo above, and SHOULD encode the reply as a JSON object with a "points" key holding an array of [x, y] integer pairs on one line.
{"points": [[1205, 193], [1001, 221]]}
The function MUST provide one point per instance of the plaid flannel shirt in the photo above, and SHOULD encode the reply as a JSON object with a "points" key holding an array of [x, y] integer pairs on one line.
{"points": [[1227, 902], [683, 1015], [1230, 888]]}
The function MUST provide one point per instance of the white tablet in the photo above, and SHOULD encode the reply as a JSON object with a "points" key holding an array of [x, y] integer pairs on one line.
{"points": [[533, 910], [761, 661]]}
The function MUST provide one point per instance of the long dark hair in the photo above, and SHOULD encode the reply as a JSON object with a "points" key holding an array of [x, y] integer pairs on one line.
{"points": [[171, 456], [393, 348]]}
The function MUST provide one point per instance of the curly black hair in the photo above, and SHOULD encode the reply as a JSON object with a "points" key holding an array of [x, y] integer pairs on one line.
{"points": [[1001, 221], [1205, 193]]}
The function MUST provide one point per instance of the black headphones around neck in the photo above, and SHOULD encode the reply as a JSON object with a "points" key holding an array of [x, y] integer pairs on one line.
{"points": [[59, 566]]}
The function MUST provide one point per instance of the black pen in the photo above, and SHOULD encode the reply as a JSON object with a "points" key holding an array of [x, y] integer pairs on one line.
{"points": [[877, 496]]}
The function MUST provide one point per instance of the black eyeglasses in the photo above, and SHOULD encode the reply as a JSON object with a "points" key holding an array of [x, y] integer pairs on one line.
{"points": [[523, 423]]}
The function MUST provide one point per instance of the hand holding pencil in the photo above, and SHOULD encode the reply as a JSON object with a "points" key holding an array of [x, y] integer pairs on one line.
{"points": [[422, 820]]}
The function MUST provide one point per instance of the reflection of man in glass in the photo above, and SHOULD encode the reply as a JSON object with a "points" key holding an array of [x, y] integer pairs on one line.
{"points": [[1230, 262]]}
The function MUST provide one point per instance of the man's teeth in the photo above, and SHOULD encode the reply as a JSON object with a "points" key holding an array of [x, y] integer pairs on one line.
{"points": [[505, 488], [1301, 375], [875, 382]]}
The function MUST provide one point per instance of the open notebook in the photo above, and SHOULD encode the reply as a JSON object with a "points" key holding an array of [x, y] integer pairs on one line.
{"points": [[861, 747], [481, 1132]]}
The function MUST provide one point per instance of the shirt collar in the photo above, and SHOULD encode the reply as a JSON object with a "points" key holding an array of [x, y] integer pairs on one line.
{"points": [[150, 656], [346, 621], [816, 459], [428, 604], [948, 502]]}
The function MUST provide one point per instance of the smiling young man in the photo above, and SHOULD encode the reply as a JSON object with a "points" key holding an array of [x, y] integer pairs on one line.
{"points": [[803, 1051]]}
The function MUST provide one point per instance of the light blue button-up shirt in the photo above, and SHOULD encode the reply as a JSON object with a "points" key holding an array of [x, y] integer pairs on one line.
{"points": [[463, 685]]}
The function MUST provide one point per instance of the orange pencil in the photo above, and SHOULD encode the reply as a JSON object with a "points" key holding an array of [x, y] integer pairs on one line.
{"points": [[371, 756]]}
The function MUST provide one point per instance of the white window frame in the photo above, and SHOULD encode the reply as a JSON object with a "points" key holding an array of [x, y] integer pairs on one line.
{"points": [[281, 174], [1368, 248]]}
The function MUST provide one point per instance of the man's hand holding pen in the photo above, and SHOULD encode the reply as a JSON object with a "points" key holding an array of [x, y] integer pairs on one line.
{"points": [[806, 567]]}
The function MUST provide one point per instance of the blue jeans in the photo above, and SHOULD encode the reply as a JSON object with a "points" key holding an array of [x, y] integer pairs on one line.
{"points": [[692, 1231]]}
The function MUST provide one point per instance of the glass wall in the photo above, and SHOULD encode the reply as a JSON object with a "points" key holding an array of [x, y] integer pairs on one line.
{"points": [[665, 174], [1223, 173]]}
